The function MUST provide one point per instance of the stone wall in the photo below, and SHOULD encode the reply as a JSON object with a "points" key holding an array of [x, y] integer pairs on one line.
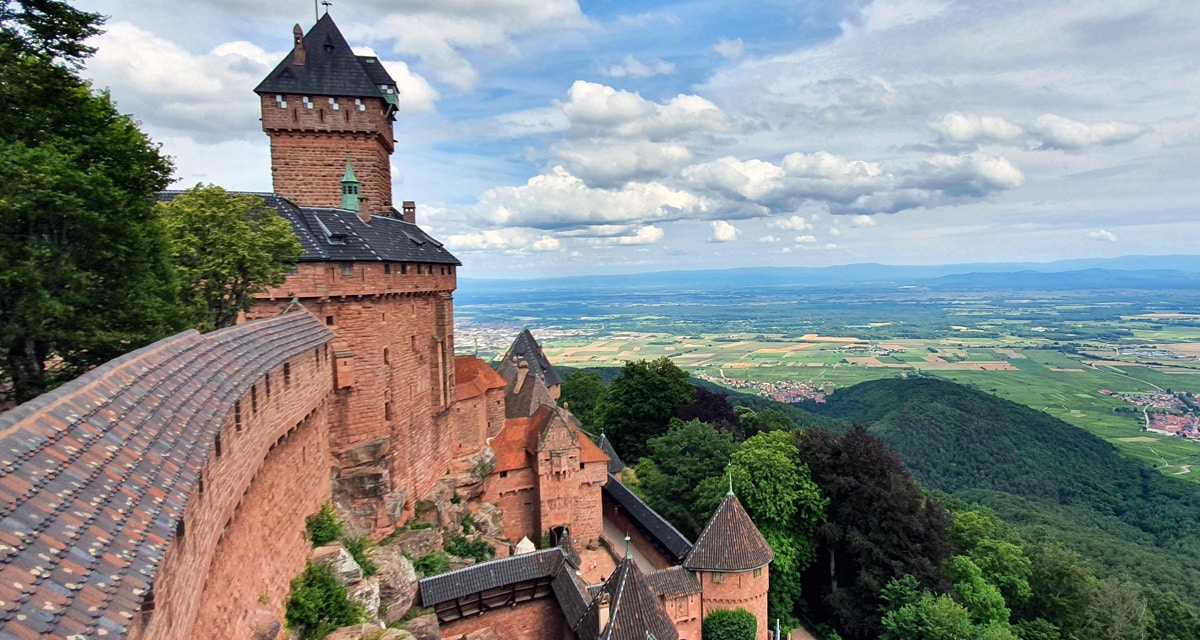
{"points": [[743, 590], [309, 149], [639, 540], [540, 619], [239, 538], [684, 611]]}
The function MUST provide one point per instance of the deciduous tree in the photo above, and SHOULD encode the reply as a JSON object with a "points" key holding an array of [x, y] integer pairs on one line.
{"points": [[640, 403], [583, 390], [677, 463], [227, 248]]}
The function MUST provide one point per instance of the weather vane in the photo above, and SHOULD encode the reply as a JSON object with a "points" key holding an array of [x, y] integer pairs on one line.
{"points": [[317, 12]]}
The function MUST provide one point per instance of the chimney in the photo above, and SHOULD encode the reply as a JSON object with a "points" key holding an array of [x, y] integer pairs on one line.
{"points": [[298, 46], [522, 372], [409, 212]]}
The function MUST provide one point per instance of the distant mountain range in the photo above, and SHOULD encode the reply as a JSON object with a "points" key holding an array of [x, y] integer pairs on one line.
{"points": [[1127, 272]]}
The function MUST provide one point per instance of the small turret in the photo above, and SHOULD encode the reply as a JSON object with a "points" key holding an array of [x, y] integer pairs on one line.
{"points": [[350, 190], [731, 558]]}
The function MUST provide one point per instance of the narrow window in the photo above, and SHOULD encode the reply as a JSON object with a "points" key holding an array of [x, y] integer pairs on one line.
{"points": [[387, 269], [254, 399], [581, 465], [237, 415], [329, 320], [386, 355], [217, 445], [387, 411], [179, 531], [414, 343], [321, 115], [347, 268], [287, 373], [718, 578], [267, 382], [403, 268]]}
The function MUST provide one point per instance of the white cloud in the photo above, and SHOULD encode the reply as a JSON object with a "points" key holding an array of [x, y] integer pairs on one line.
{"points": [[1058, 132], [792, 223], [559, 200], [724, 232], [834, 231], [611, 164], [598, 109], [634, 68], [1103, 234], [862, 221], [830, 247], [730, 48], [751, 179], [547, 243], [806, 239], [416, 94], [964, 127], [648, 234], [770, 239]]}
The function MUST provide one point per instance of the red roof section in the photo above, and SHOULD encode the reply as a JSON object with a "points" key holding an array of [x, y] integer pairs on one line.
{"points": [[473, 377]]}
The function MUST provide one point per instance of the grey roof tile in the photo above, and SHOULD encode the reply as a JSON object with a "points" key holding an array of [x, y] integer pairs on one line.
{"points": [[330, 68], [635, 613], [730, 541], [649, 519]]}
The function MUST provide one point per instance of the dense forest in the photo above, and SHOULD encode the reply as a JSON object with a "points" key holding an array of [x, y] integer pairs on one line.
{"points": [[948, 513]]}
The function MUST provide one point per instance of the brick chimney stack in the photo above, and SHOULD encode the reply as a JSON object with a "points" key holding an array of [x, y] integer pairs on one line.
{"points": [[409, 211], [298, 56]]}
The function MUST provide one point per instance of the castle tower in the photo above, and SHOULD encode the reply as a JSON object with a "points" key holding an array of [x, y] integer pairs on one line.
{"points": [[730, 558], [321, 105]]}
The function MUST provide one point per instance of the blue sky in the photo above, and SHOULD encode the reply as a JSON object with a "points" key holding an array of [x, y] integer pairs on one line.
{"points": [[555, 137]]}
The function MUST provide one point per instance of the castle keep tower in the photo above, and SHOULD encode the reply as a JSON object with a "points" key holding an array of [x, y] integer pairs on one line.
{"points": [[324, 105]]}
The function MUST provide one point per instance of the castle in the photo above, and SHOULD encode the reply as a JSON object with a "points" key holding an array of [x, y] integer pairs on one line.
{"points": [[163, 494]]}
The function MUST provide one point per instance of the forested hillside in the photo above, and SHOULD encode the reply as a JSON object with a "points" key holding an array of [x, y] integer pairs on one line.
{"points": [[1034, 469]]}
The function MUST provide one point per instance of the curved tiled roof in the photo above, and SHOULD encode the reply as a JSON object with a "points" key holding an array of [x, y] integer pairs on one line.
{"points": [[339, 235], [634, 611], [730, 542], [95, 475], [649, 519]]}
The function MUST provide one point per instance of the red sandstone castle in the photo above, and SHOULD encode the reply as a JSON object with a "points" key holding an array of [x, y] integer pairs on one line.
{"points": [[163, 494]]}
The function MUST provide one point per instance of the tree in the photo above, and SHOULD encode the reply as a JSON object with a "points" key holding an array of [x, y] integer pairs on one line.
{"points": [[677, 462], [755, 422], [583, 390], [724, 624], [640, 403], [880, 526], [227, 248], [982, 600], [713, 408], [84, 269]]}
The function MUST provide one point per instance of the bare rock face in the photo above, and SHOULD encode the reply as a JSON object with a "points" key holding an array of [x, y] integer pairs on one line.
{"points": [[458, 562], [425, 628], [418, 543], [366, 593], [396, 634], [264, 624], [397, 582], [335, 556], [486, 633], [489, 520], [354, 632]]}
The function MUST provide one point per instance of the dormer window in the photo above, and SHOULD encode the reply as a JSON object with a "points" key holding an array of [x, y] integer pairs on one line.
{"points": [[280, 102], [358, 104], [307, 102], [333, 104]]}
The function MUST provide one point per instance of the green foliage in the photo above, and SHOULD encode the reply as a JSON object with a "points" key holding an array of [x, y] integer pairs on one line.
{"points": [[323, 526], [464, 547], [982, 600], [318, 604], [677, 463], [640, 403], [433, 564], [357, 546], [468, 523], [914, 614], [583, 391], [226, 248], [85, 274], [755, 422], [724, 624]]}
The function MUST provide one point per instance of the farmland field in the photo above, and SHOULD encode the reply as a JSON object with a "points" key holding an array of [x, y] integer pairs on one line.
{"points": [[1053, 351]]}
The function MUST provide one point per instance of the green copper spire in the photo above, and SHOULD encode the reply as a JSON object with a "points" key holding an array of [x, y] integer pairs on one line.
{"points": [[349, 188], [628, 549], [729, 470]]}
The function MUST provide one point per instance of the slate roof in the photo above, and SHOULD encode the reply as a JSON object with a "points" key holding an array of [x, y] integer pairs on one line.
{"points": [[330, 68], [529, 398], [489, 575], [729, 542], [615, 465], [572, 597], [95, 475], [339, 235], [526, 348], [657, 526], [673, 582], [634, 611]]}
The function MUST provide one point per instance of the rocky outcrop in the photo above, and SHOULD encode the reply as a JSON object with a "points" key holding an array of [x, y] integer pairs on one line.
{"points": [[397, 582], [489, 520], [487, 633], [264, 624], [355, 632], [418, 543], [335, 556], [424, 628], [366, 593]]}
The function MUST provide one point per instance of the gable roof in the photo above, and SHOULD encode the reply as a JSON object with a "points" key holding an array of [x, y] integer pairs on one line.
{"points": [[96, 474], [634, 613], [339, 235], [730, 542], [615, 465], [673, 582], [648, 519], [473, 377], [526, 349], [330, 68], [489, 575], [532, 395]]}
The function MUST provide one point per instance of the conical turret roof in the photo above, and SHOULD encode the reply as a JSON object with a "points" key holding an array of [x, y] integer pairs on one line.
{"points": [[526, 349], [730, 542], [634, 611], [329, 68]]}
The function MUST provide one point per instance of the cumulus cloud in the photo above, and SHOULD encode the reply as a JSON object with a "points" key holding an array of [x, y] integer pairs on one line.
{"points": [[751, 179], [792, 223], [1103, 234], [730, 48], [597, 109], [834, 231], [547, 243], [1058, 132], [559, 200], [608, 164], [489, 239], [862, 221], [830, 247], [770, 239], [806, 239], [634, 68], [964, 127], [722, 231], [648, 234]]}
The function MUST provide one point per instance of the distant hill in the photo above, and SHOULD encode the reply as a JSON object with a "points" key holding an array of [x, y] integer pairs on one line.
{"points": [[1144, 272], [1037, 471]]}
